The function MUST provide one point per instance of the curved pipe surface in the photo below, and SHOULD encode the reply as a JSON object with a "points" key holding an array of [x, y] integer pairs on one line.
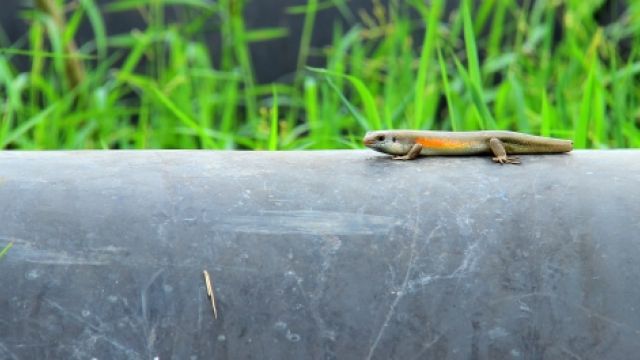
{"points": [[328, 254]]}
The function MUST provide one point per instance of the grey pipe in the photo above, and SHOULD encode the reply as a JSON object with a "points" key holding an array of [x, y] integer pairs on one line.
{"points": [[319, 255]]}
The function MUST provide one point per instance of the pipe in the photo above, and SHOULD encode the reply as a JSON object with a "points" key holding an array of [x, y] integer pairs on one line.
{"points": [[323, 254]]}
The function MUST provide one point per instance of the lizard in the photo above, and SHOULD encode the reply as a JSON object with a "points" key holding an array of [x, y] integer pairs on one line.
{"points": [[409, 144]]}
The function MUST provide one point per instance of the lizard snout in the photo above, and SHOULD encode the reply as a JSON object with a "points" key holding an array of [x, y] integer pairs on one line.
{"points": [[369, 140]]}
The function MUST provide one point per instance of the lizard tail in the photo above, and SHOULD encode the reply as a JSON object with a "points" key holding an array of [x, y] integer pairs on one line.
{"points": [[558, 146]]}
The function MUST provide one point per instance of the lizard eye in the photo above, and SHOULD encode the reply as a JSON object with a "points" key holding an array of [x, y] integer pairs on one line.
{"points": [[393, 139], [380, 138]]}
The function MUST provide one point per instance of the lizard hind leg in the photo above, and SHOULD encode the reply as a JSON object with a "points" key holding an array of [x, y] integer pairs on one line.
{"points": [[412, 154], [500, 154]]}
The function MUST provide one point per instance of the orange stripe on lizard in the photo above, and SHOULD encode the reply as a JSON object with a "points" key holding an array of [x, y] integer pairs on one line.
{"points": [[433, 143]]}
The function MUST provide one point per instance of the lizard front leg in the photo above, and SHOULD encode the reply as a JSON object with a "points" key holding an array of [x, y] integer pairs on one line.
{"points": [[497, 147], [412, 154]]}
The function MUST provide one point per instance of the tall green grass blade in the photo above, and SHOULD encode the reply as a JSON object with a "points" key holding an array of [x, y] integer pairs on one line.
{"points": [[144, 119], [519, 104], [36, 40], [581, 134], [302, 9], [470, 45], [547, 116], [307, 31], [312, 108], [455, 125], [363, 121], [485, 117], [264, 34], [72, 25], [426, 57], [174, 109], [124, 5], [273, 134], [368, 102], [55, 39], [484, 11], [240, 48], [230, 107], [98, 26], [43, 54], [598, 111], [621, 89], [496, 32], [26, 126]]}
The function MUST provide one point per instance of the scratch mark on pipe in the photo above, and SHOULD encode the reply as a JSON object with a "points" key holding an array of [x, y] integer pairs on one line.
{"points": [[149, 334], [427, 346], [331, 245], [199, 310], [308, 222], [26, 251], [403, 289], [131, 354], [7, 351], [100, 334], [12, 239], [573, 355], [467, 263], [589, 312], [392, 308], [69, 314]]}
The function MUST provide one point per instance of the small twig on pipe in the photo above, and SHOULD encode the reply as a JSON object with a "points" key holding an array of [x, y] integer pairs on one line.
{"points": [[210, 293]]}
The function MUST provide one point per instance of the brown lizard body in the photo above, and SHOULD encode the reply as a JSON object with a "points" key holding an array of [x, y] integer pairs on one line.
{"points": [[409, 144]]}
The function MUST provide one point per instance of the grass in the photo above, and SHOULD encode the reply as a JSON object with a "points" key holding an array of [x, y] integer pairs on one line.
{"points": [[545, 68], [5, 250]]}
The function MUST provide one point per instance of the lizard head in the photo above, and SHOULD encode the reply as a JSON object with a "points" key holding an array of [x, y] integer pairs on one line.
{"points": [[388, 142]]}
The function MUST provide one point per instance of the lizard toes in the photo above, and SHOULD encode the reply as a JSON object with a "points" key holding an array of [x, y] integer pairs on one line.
{"points": [[507, 160], [513, 160]]}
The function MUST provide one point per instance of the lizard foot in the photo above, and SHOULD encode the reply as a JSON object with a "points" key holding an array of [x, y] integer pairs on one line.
{"points": [[402, 157], [507, 160]]}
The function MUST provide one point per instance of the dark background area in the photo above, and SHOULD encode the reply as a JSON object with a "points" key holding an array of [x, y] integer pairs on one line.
{"points": [[273, 60]]}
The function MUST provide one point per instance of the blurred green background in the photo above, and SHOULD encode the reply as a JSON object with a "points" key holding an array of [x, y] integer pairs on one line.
{"points": [[548, 67]]}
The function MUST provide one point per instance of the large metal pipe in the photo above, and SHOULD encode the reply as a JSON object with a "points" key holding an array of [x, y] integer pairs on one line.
{"points": [[321, 255]]}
